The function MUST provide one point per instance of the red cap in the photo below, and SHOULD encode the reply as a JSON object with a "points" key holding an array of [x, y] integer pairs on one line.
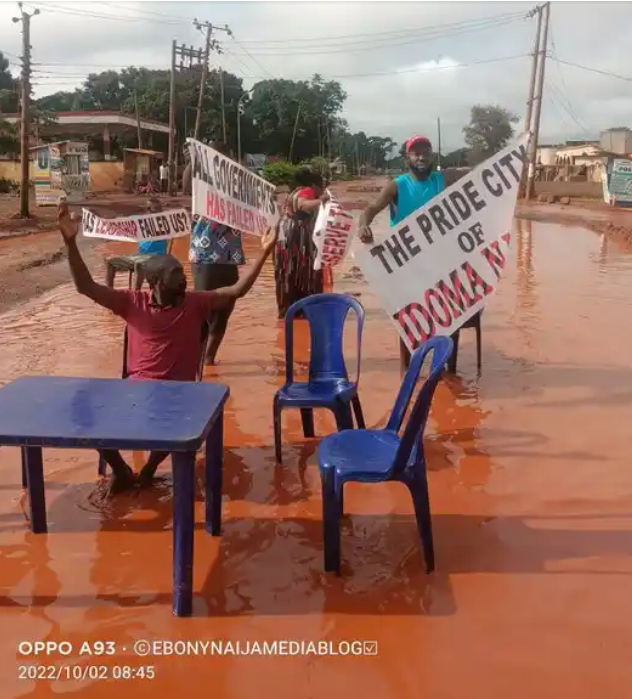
{"points": [[421, 140]]}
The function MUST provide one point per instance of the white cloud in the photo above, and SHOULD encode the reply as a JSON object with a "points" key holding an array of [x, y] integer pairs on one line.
{"points": [[398, 81]]}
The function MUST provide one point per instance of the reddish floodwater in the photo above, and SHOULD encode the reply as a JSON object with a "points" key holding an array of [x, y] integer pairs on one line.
{"points": [[530, 487]]}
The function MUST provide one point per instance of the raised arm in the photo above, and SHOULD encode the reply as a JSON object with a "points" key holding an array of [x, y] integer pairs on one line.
{"points": [[115, 301], [387, 196]]}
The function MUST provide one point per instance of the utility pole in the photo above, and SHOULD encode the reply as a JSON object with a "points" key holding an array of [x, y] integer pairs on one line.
{"points": [[534, 67], [138, 129], [172, 119], [533, 146], [221, 87], [210, 45], [298, 112], [531, 97], [439, 143], [25, 123]]}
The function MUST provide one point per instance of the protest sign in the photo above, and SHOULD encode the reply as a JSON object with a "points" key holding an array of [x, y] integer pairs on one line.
{"points": [[159, 226], [332, 234], [437, 267], [228, 193]]}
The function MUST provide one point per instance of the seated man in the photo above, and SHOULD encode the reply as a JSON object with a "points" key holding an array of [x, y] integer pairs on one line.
{"points": [[134, 263], [164, 324]]}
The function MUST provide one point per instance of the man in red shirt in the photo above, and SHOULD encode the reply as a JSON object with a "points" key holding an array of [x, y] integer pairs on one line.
{"points": [[165, 324]]}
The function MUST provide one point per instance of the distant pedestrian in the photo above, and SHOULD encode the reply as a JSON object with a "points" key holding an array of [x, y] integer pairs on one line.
{"points": [[164, 178]]}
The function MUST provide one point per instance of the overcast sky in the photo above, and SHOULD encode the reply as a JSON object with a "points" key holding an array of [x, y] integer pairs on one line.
{"points": [[425, 67]]}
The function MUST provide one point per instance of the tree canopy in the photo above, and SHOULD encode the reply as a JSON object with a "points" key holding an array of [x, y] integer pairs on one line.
{"points": [[297, 120], [489, 130]]}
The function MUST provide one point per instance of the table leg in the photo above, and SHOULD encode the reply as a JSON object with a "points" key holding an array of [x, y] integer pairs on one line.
{"points": [[33, 464], [214, 473], [183, 526]]}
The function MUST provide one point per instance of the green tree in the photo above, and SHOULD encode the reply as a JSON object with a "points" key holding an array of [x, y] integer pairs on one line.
{"points": [[489, 130]]}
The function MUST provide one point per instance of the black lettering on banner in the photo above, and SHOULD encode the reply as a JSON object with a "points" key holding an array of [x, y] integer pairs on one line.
{"points": [[446, 206], [436, 212], [501, 175], [223, 179], [521, 154], [378, 251], [200, 166], [216, 176], [460, 204], [473, 196], [408, 240], [488, 180], [142, 227], [425, 226], [506, 161], [471, 238], [393, 245]]}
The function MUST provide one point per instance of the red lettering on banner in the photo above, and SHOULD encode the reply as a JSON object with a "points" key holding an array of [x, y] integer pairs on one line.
{"points": [[495, 256], [215, 208], [443, 305]]}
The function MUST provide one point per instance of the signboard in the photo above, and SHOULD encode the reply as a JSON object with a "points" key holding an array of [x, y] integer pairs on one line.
{"points": [[437, 267], [228, 193], [620, 185], [332, 234], [160, 226]]}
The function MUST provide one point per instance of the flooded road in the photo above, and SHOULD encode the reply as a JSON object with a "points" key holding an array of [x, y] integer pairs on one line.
{"points": [[530, 487]]}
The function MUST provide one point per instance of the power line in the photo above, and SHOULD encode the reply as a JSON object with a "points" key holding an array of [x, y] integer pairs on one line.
{"points": [[373, 44], [592, 70], [52, 75]]}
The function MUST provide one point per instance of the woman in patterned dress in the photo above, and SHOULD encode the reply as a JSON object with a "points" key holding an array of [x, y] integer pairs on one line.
{"points": [[295, 252], [215, 255]]}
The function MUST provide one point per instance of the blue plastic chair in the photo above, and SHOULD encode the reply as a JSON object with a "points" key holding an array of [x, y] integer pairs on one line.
{"points": [[328, 384], [377, 456]]}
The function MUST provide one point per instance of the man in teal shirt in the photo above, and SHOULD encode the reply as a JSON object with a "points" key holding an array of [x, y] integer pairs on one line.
{"points": [[404, 195]]}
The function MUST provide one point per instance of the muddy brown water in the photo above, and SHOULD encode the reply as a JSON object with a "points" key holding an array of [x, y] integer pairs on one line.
{"points": [[530, 484]]}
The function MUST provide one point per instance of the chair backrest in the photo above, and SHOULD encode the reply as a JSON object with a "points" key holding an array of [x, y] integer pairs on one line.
{"points": [[441, 348], [326, 315]]}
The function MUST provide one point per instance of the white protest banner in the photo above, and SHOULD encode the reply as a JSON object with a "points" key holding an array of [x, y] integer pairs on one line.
{"points": [[228, 193], [159, 226], [332, 234], [436, 268]]}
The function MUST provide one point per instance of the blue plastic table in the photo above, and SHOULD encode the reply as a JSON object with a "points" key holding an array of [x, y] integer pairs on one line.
{"points": [[173, 416]]}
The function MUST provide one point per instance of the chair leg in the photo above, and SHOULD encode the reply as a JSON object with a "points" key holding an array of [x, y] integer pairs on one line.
{"points": [[357, 409], [479, 346], [276, 410], [307, 418], [24, 477], [455, 352], [102, 467], [344, 418], [341, 500], [331, 522], [419, 491]]}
